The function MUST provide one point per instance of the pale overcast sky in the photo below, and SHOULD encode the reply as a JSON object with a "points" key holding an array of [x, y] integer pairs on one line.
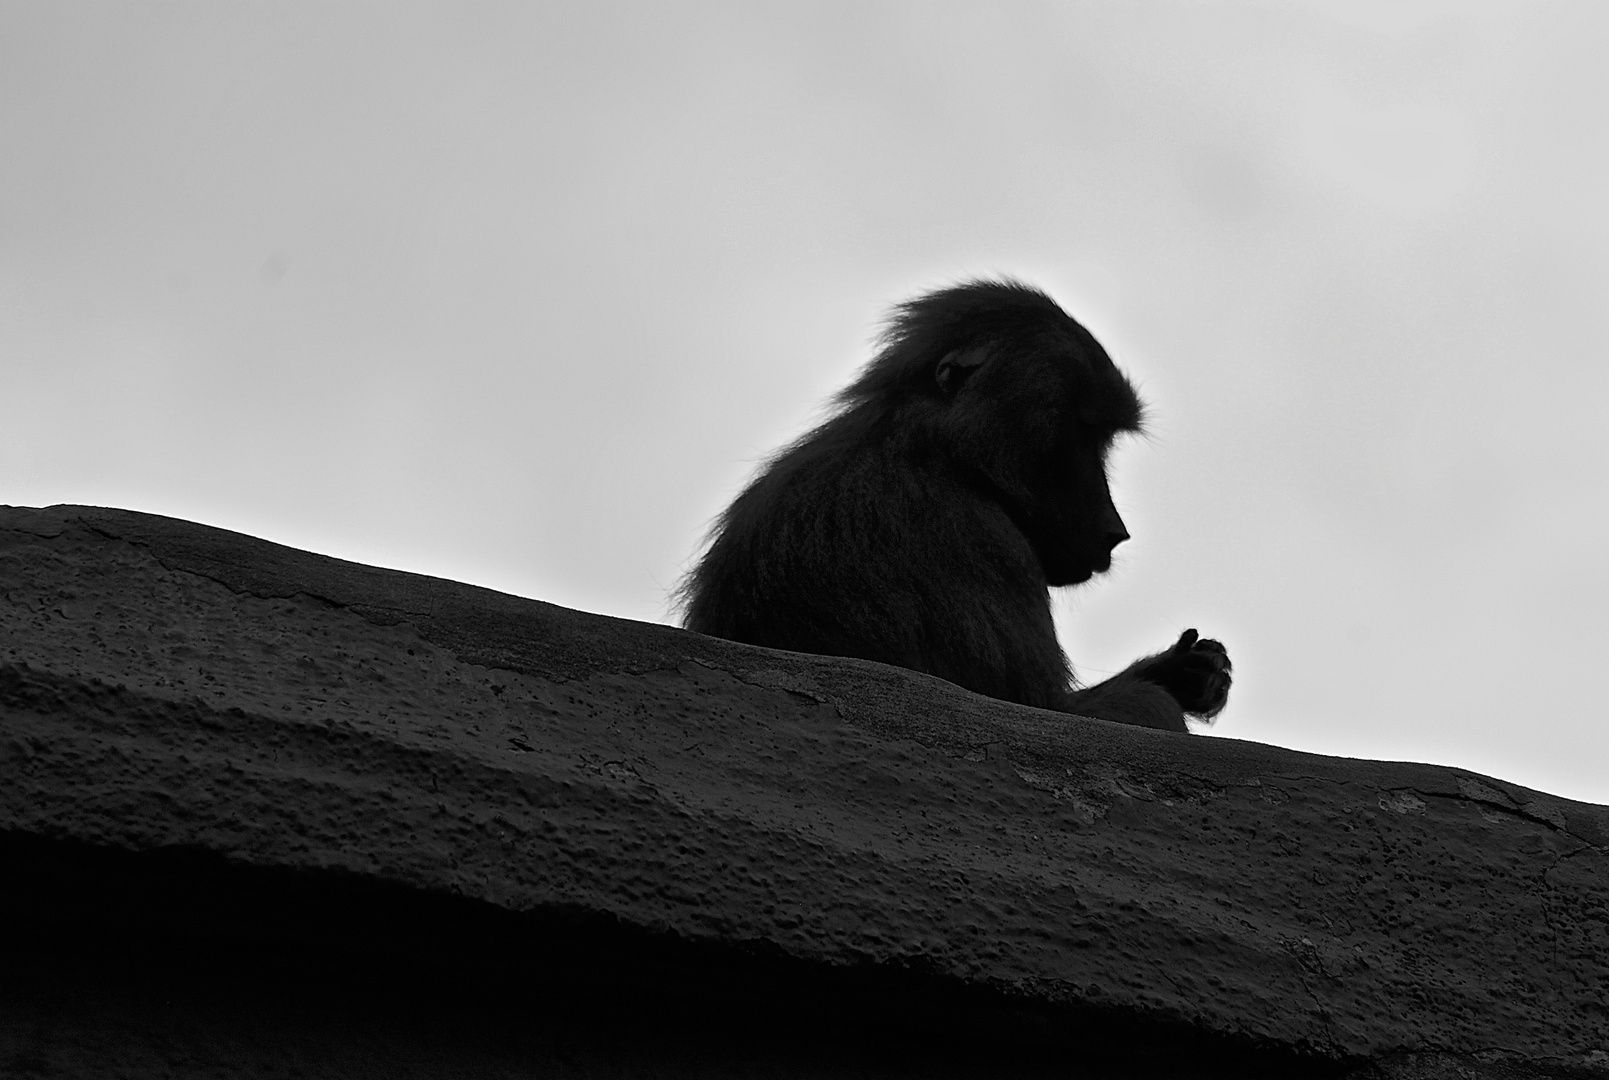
{"points": [[521, 294]]}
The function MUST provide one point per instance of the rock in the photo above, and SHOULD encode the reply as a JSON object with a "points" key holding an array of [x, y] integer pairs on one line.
{"points": [[265, 810]]}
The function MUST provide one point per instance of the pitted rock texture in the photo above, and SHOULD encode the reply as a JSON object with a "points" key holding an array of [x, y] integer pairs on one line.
{"points": [[658, 806]]}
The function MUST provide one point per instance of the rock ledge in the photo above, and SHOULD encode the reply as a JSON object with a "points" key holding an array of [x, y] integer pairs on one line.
{"points": [[263, 810]]}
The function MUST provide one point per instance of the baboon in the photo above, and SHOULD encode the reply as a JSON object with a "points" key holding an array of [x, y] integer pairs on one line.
{"points": [[960, 477]]}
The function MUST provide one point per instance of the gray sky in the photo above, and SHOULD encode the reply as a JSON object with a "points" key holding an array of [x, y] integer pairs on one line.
{"points": [[520, 295]]}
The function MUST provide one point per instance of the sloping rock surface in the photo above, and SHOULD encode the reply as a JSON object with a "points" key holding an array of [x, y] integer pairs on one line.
{"points": [[265, 786]]}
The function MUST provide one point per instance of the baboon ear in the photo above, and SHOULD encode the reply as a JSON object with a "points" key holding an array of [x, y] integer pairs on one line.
{"points": [[956, 366]]}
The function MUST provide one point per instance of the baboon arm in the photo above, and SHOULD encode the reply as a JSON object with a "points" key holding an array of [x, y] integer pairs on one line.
{"points": [[1190, 679], [1126, 699]]}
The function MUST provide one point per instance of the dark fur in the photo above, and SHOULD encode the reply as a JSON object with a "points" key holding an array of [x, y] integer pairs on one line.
{"points": [[962, 474]]}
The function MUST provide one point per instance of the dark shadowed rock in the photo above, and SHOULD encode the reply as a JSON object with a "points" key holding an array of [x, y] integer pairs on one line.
{"points": [[266, 812]]}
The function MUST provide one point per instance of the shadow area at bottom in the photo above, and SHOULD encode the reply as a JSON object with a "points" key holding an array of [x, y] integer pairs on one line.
{"points": [[180, 964]]}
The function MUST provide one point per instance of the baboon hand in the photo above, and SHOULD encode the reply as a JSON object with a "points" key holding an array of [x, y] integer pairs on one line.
{"points": [[1196, 671]]}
